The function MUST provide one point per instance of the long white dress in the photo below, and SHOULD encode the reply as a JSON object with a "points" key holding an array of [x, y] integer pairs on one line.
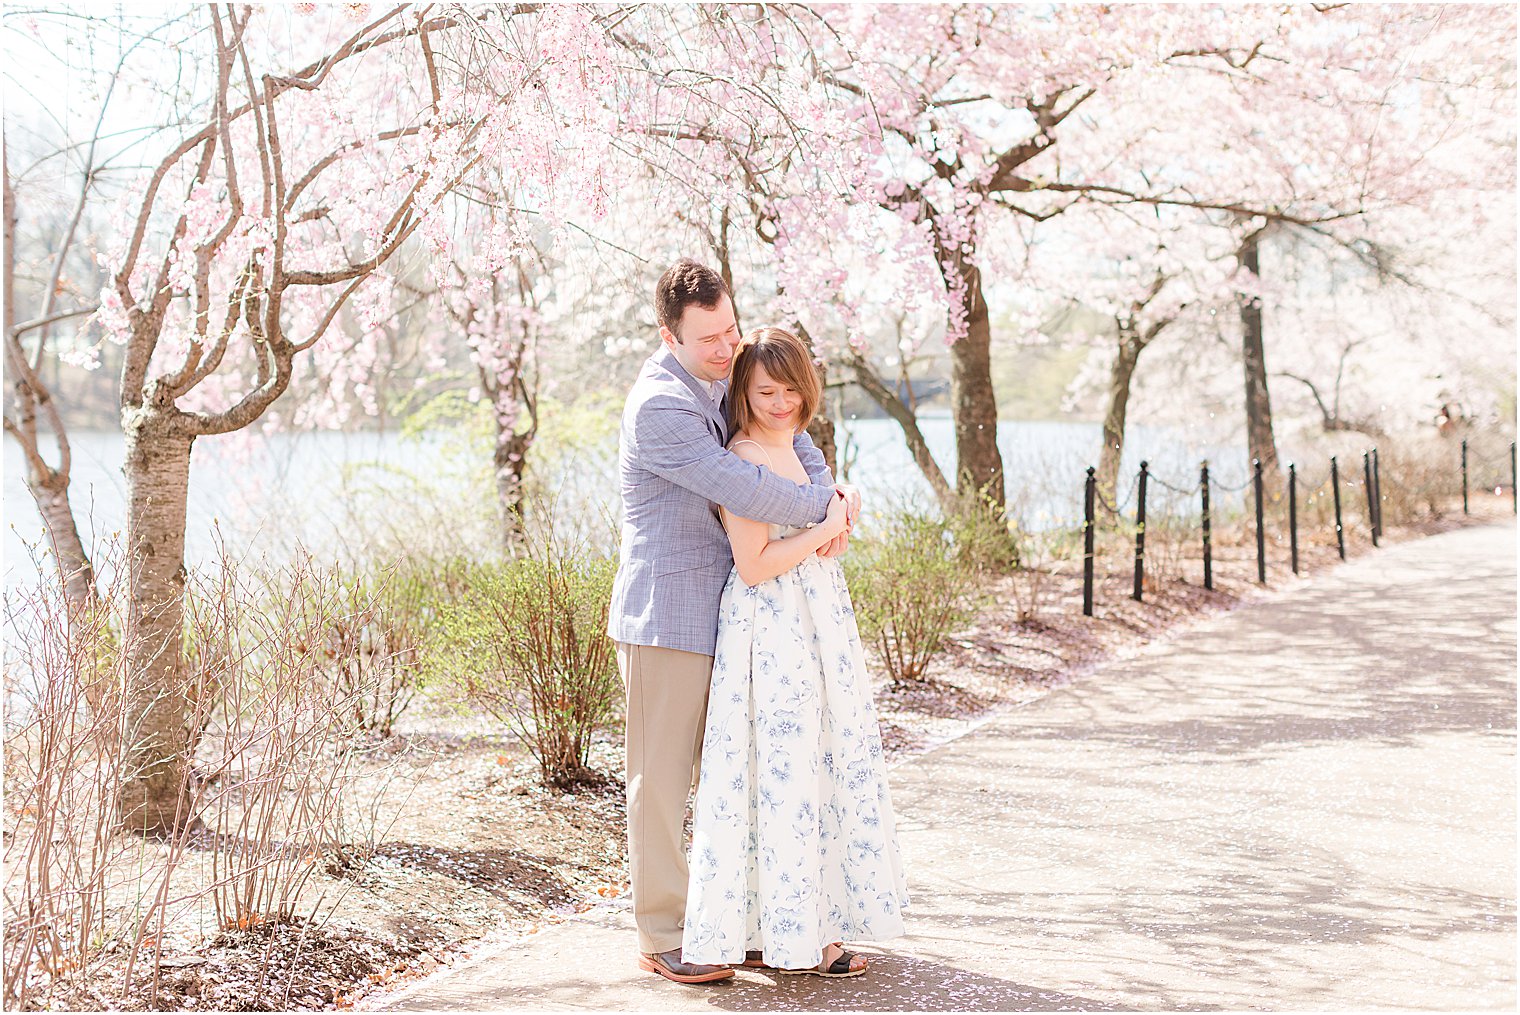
{"points": [[793, 841]]}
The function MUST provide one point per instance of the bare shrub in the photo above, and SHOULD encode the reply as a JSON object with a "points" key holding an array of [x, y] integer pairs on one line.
{"points": [[1045, 547], [528, 644], [275, 762], [983, 538], [1418, 478], [62, 764], [1316, 502], [1173, 537], [283, 750], [1044, 555]]}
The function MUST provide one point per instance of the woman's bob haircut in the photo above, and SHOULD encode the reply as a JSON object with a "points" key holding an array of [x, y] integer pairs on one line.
{"points": [[786, 361]]}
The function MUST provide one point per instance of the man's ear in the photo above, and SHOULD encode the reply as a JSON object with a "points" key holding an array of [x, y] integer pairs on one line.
{"points": [[667, 337]]}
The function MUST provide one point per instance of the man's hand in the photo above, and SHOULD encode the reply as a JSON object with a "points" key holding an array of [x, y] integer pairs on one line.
{"points": [[840, 543], [851, 502]]}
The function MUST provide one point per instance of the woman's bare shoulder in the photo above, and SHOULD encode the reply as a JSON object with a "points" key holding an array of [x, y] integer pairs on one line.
{"points": [[750, 451]]}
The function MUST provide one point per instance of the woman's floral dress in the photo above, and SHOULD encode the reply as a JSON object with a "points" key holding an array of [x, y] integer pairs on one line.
{"points": [[793, 840]]}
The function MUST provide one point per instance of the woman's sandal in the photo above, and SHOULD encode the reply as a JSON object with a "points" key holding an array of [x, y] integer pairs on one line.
{"points": [[840, 967], [755, 958]]}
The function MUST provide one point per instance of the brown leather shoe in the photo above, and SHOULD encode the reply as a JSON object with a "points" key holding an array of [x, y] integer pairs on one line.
{"points": [[669, 965]]}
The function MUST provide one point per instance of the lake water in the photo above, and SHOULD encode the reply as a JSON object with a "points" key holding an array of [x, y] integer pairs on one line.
{"points": [[332, 491]]}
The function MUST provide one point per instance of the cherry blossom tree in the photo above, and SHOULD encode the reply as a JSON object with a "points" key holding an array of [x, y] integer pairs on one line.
{"points": [[1139, 271], [281, 208], [1309, 120], [757, 132], [500, 322], [1262, 119], [964, 99]]}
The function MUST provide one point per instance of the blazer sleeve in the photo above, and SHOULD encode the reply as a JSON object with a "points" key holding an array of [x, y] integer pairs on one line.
{"points": [[675, 444], [812, 460]]}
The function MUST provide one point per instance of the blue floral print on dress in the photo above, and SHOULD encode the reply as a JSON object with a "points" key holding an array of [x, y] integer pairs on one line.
{"points": [[792, 814]]}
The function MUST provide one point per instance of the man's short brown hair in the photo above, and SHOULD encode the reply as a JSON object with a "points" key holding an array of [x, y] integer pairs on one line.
{"points": [[685, 284], [787, 361]]}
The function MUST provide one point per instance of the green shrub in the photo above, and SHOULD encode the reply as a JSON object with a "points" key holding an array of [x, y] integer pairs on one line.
{"points": [[376, 643], [911, 587], [984, 541], [527, 643]]}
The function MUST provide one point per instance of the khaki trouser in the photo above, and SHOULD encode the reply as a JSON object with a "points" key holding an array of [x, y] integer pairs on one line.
{"points": [[667, 710]]}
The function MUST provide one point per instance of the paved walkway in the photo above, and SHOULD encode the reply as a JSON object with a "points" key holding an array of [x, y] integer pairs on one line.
{"points": [[1308, 803]]}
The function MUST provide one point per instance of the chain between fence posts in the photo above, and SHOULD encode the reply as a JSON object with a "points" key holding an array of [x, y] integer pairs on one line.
{"points": [[1371, 477], [1261, 534], [1335, 487], [1208, 554], [1293, 514], [1371, 507], [1465, 511], [1377, 493], [1087, 542], [1140, 533]]}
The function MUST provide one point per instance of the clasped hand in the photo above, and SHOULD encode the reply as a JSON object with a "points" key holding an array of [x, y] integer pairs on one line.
{"points": [[837, 546]]}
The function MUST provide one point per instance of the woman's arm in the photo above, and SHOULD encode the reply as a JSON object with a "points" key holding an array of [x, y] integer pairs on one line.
{"points": [[760, 558]]}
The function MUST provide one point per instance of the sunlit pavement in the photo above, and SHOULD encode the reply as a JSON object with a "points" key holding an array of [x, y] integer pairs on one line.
{"points": [[1308, 803]]}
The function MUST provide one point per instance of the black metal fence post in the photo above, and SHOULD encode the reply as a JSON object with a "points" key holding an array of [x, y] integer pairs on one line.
{"points": [[1371, 503], [1087, 542], [1140, 533], [1377, 492], [1261, 534], [1208, 552], [1293, 514], [1464, 477], [1335, 487]]}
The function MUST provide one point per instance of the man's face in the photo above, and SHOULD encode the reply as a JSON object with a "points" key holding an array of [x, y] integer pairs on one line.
{"points": [[707, 339]]}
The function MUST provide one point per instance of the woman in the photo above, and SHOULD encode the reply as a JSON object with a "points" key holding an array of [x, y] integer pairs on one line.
{"points": [[794, 847]]}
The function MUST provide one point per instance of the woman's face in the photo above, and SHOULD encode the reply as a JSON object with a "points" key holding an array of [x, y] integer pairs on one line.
{"points": [[773, 405]]}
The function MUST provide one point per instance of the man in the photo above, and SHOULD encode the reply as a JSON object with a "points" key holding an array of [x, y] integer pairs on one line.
{"points": [[674, 561]]}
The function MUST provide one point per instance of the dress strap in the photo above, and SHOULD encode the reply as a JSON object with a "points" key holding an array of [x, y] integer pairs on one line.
{"points": [[757, 444]]}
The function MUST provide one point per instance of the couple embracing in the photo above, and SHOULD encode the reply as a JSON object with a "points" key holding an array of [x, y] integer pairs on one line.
{"points": [[738, 648]]}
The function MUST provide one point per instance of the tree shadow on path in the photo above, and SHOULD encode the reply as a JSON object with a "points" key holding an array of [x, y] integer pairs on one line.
{"points": [[905, 983], [893, 983]]}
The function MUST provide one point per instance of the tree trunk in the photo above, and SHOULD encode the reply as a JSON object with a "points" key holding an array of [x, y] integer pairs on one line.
{"points": [[510, 458], [49, 487], [899, 410], [153, 792], [979, 464], [1254, 358], [1119, 378], [821, 429], [51, 493]]}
